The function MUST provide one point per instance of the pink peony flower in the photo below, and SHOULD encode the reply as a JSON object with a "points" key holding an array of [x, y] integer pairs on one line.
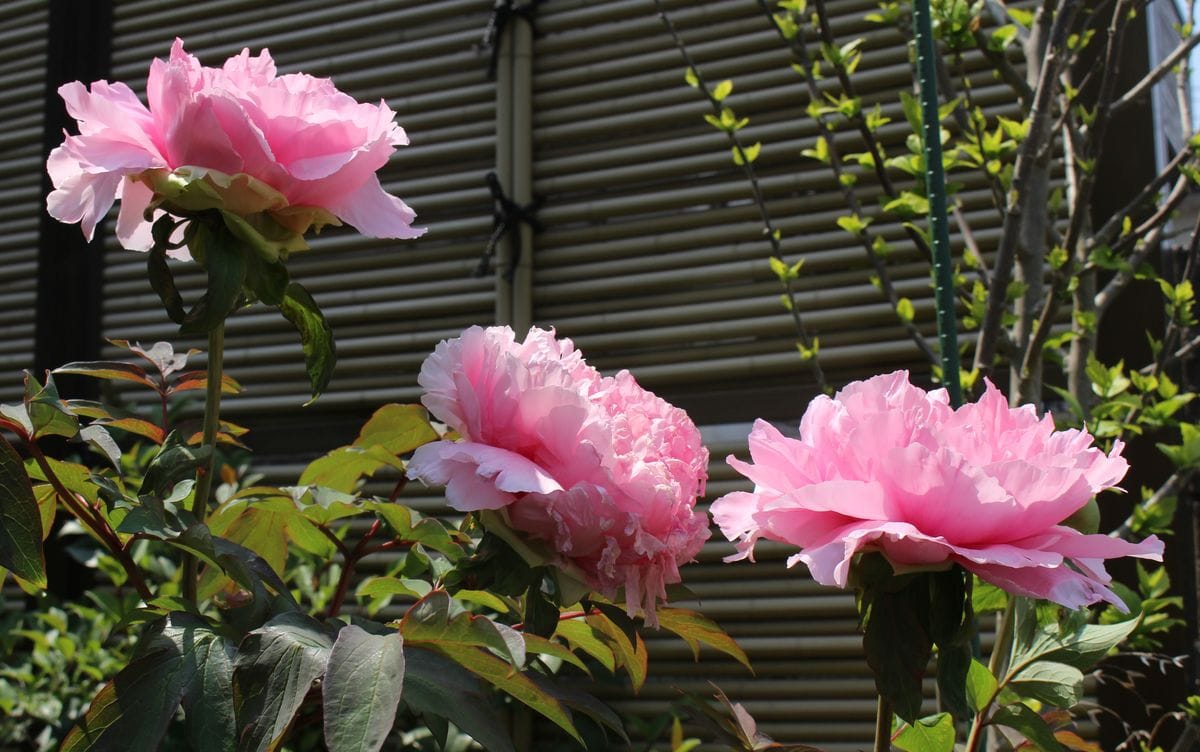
{"points": [[601, 471], [238, 138], [885, 466]]}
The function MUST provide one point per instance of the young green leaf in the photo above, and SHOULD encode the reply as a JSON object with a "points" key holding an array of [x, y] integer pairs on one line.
{"points": [[697, 630], [934, 733]]}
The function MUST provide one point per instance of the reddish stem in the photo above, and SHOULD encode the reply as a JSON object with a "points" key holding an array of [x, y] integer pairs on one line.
{"points": [[93, 521]]}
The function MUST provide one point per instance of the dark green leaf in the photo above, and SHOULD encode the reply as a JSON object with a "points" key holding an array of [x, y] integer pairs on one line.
{"points": [[275, 667], [1030, 725], [173, 464], [436, 686], [267, 280], [163, 283], [180, 657], [225, 262], [316, 337], [362, 689], [898, 647], [430, 621], [953, 664], [932, 734], [540, 615], [20, 520]]}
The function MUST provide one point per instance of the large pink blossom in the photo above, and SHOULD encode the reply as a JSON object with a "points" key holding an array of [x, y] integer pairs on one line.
{"points": [[886, 466], [292, 146], [600, 471]]}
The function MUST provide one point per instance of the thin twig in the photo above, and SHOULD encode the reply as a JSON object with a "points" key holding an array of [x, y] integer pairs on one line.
{"points": [[759, 200], [1171, 487], [1168, 63], [800, 52], [1109, 230]]}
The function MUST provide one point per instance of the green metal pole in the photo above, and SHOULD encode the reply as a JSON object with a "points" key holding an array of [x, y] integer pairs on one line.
{"points": [[935, 186]]}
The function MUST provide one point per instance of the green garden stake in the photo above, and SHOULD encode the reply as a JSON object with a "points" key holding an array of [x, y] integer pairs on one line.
{"points": [[935, 186]]}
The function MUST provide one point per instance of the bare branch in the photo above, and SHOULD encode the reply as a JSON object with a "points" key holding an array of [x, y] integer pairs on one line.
{"points": [[985, 349], [1107, 233], [1171, 487], [1142, 88], [1007, 72], [1149, 232]]}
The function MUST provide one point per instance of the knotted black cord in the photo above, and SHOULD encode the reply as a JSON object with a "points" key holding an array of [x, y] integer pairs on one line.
{"points": [[503, 12], [506, 216]]}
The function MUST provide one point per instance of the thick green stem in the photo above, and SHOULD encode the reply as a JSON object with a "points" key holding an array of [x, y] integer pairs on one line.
{"points": [[935, 186], [883, 725], [212, 421]]}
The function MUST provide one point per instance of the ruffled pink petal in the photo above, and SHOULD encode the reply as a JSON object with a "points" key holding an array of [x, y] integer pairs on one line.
{"points": [[134, 232], [449, 463], [374, 212], [1060, 584]]}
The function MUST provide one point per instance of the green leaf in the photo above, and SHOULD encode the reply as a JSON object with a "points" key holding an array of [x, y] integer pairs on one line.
{"points": [[629, 651], [905, 310], [697, 630], [173, 464], [722, 90], [410, 527], [691, 78], [898, 647], [225, 262], [582, 637], [853, 224], [181, 660], [20, 521], [536, 645], [1081, 647], [981, 686], [316, 337], [932, 734], [386, 587], [275, 667], [362, 689], [397, 428], [163, 283], [745, 155], [500, 674], [1055, 684], [110, 370], [1030, 725], [430, 621], [437, 686], [48, 414], [267, 280]]}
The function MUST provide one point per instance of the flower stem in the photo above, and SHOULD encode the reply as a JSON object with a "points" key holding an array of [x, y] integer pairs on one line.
{"points": [[1001, 651], [212, 421], [883, 725]]}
